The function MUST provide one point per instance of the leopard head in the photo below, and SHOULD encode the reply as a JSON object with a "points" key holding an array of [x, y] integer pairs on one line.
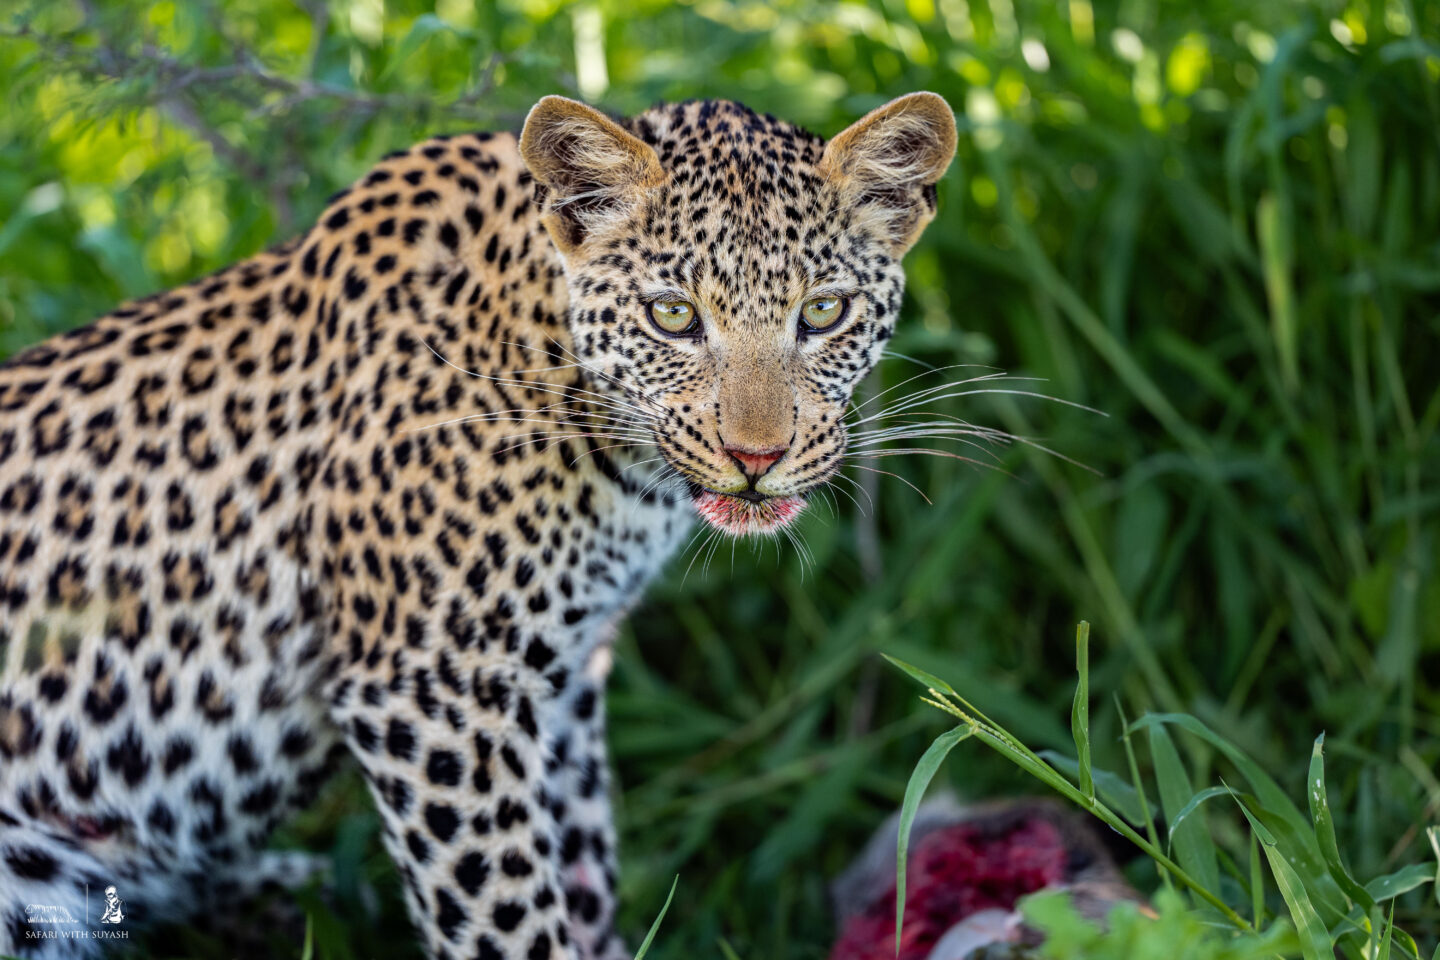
{"points": [[733, 278]]}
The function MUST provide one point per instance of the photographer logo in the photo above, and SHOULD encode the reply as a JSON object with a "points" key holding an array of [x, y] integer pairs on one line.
{"points": [[48, 921], [114, 907]]}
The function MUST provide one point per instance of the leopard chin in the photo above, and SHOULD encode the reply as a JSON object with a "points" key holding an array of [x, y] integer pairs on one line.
{"points": [[739, 517]]}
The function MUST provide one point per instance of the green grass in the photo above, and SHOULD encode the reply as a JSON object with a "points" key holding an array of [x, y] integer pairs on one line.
{"points": [[1313, 892], [1128, 935], [1216, 223]]}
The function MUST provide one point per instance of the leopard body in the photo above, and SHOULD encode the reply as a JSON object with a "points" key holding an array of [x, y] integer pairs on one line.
{"points": [[386, 490]]}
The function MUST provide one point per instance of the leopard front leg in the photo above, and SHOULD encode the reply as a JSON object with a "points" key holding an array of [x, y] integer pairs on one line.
{"points": [[579, 787], [452, 750]]}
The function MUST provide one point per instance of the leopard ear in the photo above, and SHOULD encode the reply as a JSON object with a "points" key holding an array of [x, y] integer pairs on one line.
{"points": [[890, 159], [591, 168]]}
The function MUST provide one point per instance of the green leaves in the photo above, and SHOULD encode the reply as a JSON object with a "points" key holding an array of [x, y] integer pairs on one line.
{"points": [[914, 792], [1174, 930], [655, 927], [1274, 807], [1303, 856]]}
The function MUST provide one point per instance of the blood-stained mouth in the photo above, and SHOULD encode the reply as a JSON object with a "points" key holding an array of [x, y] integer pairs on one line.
{"points": [[738, 515]]}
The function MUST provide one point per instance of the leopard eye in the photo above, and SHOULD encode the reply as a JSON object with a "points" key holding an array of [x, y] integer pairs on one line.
{"points": [[676, 318], [822, 313]]}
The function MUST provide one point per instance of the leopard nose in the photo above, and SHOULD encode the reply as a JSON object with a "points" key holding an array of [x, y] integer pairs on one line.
{"points": [[754, 463]]}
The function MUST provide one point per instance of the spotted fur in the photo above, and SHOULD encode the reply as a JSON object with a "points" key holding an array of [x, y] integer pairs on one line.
{"points": [[387, 489]]}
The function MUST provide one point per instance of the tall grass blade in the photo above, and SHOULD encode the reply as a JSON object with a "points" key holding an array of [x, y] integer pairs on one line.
{"points": [[1080, 710], [1275, 256], [1273, 805], [1139, 789], [655, 927], [1257, 882], [1384, 952], [1314, 938], [1190, 840], [1193, 805], [1433, 833], [1265, 787], [1404, 880], [923, 677], [1325, 828], [920, 779]]}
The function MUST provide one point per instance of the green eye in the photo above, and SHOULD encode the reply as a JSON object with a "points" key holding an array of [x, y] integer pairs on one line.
{"points": [[822, 313], [675, 317]]}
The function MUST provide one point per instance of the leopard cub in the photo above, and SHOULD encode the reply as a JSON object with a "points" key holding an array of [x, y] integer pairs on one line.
{"points": [[386, 490]]}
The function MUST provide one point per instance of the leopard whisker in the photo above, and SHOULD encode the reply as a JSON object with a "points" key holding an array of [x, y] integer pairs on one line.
{"points": [[540, 387], [829, 498], [910, 405], [954, 366], [597, 400], [929, 451], [937, 393], [610, 446], [929, 429], [641, 463], [495, 416], [861, 466], [604, 427], [551, 440], [659, 481], [565, 351], [587, 409], [933, 421], [868, 451], [807, 559], [661, 484], [858, 486], [934, 416], [605, 423], [894, 355], [982, 440], [994, 436], [712, 534], [709, 556]]}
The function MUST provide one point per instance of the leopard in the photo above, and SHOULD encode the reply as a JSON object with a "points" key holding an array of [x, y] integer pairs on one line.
{"points": [[383, 494]]}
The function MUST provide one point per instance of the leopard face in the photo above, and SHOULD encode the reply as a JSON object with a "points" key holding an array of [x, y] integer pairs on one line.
{"points": [[734, 278]]}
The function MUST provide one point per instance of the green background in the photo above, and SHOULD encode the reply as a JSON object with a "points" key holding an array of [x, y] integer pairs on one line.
{"points": [[1217, 223]]}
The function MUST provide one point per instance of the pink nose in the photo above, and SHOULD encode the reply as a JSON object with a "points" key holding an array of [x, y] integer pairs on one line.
{"points": [[755, 462]]}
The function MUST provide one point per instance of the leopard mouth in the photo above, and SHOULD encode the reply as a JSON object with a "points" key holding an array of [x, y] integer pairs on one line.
{"points": [[748, 512]]}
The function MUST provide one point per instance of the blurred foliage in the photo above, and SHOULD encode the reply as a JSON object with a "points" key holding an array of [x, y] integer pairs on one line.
{"points": [[1128, 935], [1214, 222]]}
